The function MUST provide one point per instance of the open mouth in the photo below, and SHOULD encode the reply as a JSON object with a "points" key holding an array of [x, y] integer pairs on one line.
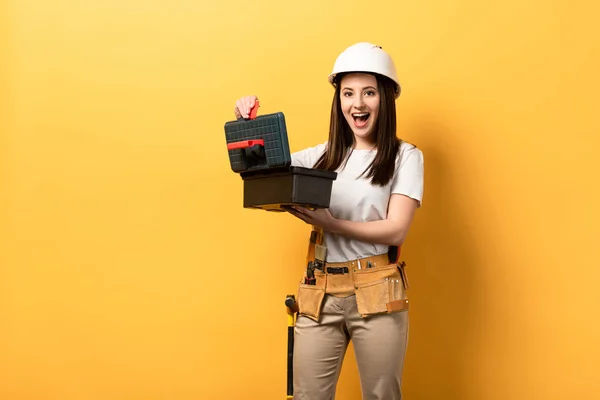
{"points": [[360, 119]]}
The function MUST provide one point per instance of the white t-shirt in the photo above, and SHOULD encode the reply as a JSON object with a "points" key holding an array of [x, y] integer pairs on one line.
{"points": [[356, 199]]}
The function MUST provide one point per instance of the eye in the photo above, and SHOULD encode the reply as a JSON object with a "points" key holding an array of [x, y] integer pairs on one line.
{"points": [[370, 93], [347, 94]]}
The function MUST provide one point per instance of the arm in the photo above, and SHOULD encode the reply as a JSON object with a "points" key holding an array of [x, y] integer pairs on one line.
{"points": [[407, 189], [390, 231]]}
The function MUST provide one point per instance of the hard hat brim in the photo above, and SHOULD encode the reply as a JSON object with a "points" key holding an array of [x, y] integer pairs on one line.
{"points": [[333, 75]]}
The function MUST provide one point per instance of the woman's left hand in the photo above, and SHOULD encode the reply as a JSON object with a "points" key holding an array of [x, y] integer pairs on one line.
{"points": [[320, 217]]}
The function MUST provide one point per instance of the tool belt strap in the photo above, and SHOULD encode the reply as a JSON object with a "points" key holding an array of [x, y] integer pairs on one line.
{"points": [[375, 261], [316, 238]]}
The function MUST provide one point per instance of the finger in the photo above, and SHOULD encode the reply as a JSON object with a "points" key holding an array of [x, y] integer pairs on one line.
{"points": [[303, 217], [291, 210], [298, 215], [249, 103], [244, 106], [302, 210], [241, 108]]}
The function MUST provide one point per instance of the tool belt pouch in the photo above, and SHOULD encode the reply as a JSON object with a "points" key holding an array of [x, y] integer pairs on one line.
{"points": [[380, 290], [310, 297]]}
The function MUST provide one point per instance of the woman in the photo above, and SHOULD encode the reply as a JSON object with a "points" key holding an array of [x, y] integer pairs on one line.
{"points": [[360, 292]]}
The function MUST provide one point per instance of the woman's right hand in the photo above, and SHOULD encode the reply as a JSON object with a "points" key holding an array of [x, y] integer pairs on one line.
{"points": [[243, 106]]}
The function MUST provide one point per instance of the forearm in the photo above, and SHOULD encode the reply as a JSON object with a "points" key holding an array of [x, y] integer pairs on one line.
{"points": [[379, 232]]}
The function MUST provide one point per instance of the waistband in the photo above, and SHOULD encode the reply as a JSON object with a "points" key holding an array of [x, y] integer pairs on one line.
{"points": [[349, 266], [342, 277]]}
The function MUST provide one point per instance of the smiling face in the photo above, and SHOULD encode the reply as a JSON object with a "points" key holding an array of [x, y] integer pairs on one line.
{"points": [[359, 101]]}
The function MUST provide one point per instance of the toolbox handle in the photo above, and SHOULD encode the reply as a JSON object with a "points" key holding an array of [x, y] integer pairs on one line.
{"points": [[245, 144]]}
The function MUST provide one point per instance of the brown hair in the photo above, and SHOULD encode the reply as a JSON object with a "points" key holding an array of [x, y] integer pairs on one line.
{"points": [[341, 139]]}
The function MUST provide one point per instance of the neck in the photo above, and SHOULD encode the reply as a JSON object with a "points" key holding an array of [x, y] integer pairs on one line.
{"points": [[364, 144]]}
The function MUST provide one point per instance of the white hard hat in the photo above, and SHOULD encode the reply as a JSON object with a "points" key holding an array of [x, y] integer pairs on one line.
{"points": [[365, 57]]}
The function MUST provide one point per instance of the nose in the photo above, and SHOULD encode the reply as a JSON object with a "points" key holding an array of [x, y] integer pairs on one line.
{"points": [[358, 101]]}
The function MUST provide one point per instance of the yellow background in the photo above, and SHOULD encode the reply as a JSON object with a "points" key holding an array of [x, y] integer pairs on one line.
{"points": [[126, 273]]}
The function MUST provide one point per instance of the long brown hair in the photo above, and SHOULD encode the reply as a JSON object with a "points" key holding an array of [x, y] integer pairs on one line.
{"points": [[341, 139]]}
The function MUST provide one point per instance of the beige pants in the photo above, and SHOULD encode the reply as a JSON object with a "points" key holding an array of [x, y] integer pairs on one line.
{"points": [[319, 347]]}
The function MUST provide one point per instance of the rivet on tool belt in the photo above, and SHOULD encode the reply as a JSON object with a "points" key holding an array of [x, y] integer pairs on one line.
{"points": [[340, 270]]}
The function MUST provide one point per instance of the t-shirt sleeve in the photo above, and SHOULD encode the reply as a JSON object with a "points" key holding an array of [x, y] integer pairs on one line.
{"points": [[308, 157], [408, 179]]}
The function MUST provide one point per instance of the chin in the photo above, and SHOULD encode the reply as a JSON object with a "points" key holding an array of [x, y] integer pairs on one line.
{"points": [[363, 134]]}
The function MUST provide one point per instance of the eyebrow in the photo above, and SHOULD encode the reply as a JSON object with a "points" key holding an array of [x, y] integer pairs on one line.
{"points": [[366, 87]]}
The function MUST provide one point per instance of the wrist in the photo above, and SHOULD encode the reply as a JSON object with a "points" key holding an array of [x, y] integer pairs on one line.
{"points": [[335, 226]]}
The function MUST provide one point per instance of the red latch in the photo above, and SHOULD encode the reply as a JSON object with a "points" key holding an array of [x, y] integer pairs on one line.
{"points": [[245, 144], [254, 110]]}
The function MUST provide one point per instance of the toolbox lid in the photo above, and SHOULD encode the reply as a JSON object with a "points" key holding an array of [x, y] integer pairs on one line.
{"points": [[258, 143], [261, 173]]}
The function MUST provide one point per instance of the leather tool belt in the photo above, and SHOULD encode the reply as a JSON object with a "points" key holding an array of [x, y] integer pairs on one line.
{"points": [[380, 286]]}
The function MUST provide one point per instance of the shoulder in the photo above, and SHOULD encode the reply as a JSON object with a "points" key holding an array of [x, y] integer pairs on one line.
{"points": [[319, 148], [308, 156], [408, 152], [409, 175]]}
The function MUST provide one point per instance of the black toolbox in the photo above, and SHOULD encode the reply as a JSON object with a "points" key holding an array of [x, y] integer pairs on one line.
{"points": [[259, 152]]}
